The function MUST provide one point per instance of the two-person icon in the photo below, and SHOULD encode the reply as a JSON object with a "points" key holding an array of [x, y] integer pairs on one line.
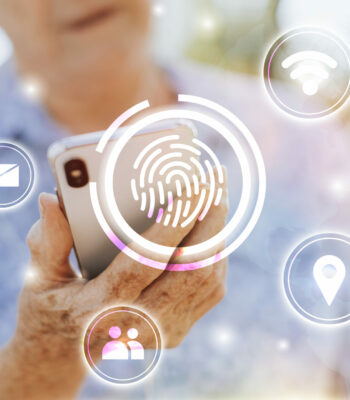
{"points": [[117, 350]]}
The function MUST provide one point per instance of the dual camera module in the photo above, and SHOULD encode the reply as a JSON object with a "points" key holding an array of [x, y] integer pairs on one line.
{"points": [[76, 173]]}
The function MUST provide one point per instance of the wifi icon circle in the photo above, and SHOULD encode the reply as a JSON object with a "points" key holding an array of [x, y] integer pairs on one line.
{"points": [[307, 72], [310, 68]]}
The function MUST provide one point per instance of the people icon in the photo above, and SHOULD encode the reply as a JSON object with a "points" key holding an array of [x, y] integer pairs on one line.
{"points": [[136, 348], [117, 350]]}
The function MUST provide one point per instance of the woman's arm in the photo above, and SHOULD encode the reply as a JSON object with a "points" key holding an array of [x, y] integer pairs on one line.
{"points": [[30, 370], [45, 358]]}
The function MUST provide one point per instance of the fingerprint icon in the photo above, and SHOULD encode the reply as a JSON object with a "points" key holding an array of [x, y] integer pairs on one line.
{"points": [[168, 168]]}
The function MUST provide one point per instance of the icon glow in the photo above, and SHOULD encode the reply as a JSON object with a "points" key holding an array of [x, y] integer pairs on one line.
{"points": [[186, 175], [310, 69], [307, 72], [329, 273], [16, 175], [122, 358]]}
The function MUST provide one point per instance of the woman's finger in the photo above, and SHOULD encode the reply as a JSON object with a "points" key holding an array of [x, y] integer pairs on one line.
{"points": [[172, 283], [50, 242], [202, 294], [126, 278], [213, 298], [205, 230]]}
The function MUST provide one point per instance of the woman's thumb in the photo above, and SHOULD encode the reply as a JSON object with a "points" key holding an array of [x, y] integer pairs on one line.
{"points": [[50, 241]]}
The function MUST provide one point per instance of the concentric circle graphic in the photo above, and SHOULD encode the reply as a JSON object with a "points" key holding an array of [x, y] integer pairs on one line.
{"points": [[16, 175], [122, 345], [307, 72], [245, 152], [317, 279], [168, 160]]}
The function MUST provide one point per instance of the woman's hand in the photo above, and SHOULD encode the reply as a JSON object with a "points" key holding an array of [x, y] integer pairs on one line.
{"points": [[44, 359]]}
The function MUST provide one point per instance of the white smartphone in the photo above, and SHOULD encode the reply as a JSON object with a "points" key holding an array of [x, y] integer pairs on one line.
{"points": [[75, 163]]}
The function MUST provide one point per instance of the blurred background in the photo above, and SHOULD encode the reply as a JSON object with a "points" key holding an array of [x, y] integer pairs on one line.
{"points": [[235, 35], [232, 34]]}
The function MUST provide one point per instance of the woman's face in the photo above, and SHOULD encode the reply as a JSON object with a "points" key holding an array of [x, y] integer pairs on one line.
{"points": [[72, 36]]}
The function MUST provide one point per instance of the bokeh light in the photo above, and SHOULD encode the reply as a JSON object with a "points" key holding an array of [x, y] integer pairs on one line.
{"points": [[338, 187], [158, 9], [32, 89]]}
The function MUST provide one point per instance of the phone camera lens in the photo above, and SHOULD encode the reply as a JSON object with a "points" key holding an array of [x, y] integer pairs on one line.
{"points": [[76, 173]]}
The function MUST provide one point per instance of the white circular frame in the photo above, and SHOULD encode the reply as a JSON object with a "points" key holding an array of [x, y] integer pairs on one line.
{"points": [[148, 370], [188, 114], [157, 117], [267, 66], [30, 165], [287, 285]]}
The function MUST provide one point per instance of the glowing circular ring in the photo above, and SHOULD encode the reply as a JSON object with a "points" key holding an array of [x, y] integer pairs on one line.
{"points": [[30, 166], [287, 278], [173, 114], [157, 117], [150, 323], [267, 71]]}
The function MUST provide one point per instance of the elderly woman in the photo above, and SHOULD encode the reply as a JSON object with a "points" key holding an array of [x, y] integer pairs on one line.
{"points": [[90, 62]]}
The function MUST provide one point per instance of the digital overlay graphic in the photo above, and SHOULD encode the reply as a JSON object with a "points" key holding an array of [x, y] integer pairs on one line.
{"points": [[187, 173], [307, 72], [122, 345], [16, 175], [169, 168], [317, 279]]}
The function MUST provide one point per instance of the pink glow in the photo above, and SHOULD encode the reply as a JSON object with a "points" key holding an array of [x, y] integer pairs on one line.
{"points": [[178, 252], [217, 257], [115, 350], [114, 239], [170, 199], [160, 215], [154, 264], [195, 265], [114, 332], [159, 265]]}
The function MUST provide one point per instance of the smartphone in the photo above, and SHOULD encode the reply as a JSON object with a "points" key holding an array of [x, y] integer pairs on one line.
{"points": [[75, 163]]}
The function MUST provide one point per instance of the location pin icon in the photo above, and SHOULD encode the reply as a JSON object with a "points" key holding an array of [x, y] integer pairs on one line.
{"points": [[329, 285]]}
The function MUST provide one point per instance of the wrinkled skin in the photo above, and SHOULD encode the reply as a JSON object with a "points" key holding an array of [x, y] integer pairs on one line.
{"points": [[56, 305]]}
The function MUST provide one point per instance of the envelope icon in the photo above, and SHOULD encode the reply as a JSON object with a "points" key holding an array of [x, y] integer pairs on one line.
{"points": [[9, 175]]}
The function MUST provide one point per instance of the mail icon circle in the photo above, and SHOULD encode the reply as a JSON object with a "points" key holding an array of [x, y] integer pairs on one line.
{"points": [[16, 174], [9, 175]]}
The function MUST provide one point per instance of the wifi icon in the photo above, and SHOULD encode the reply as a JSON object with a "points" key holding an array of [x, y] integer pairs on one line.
{"points": [[166, 169], [311, 68]]}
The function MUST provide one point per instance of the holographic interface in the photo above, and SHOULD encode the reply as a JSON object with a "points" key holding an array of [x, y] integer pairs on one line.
{"points": [[307, 72], [176, 179], [16, 175], [122, 345], [317, 278]]}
